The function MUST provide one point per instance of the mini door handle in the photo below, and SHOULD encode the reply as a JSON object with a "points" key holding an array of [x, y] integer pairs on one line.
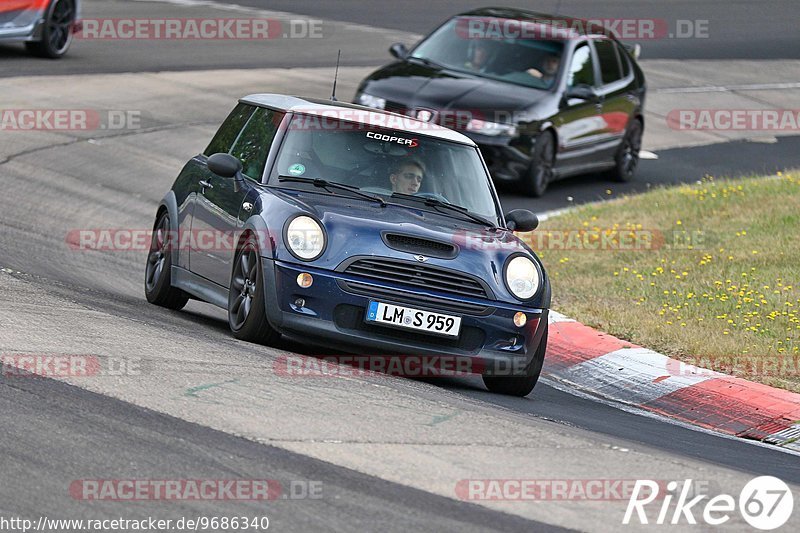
{"points": [[247, 206], [206, 184]]}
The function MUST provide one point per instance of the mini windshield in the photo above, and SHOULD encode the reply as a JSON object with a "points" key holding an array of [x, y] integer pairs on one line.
{"points": [[384, 161], [500, 49]]}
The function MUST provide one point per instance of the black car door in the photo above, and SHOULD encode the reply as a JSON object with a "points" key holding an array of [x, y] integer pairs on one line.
{"points": [[216, 214], [617, 94], [578, 122]]}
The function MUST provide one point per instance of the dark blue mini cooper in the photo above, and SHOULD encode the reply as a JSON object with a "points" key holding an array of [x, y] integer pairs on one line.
{"points": [[355, 228]]}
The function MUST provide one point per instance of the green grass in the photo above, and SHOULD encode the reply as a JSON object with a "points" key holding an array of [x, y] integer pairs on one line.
{"points": [[709, 273]]}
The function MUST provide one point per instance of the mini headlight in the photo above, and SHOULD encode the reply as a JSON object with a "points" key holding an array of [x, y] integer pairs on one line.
{"points": [[305, 238], [522, 277], [371, 101], [492, 129]]}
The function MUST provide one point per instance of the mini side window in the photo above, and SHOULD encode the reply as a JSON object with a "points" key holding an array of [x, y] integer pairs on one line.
{"points": [[229, 131], [252, 146]]}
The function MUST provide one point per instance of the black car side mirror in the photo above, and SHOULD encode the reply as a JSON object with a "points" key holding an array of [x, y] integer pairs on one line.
{"points": [[581, 92], [399, 50], [521, 220], [227, 166]]}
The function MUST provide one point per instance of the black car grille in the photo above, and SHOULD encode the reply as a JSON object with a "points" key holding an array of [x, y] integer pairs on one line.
{"points": [[394, 107], [416, 245], [418, 275]]}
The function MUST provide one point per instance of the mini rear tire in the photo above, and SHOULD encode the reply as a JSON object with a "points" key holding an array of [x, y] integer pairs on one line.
{"points": [[520, 385], [158, 272]]}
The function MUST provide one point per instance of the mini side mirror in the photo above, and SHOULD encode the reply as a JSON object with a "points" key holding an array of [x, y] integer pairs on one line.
{"points": [[521, 220], [224, 165]]}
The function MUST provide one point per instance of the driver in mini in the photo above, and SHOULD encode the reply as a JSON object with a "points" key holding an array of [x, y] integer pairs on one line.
{"points": [[406, 176]]}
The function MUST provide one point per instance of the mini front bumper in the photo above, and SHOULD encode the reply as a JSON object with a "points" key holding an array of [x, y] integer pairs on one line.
{"points": [[332, 311]]}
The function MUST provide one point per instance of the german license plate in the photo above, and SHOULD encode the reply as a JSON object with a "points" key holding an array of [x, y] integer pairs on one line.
{"points": [[416, 319]]}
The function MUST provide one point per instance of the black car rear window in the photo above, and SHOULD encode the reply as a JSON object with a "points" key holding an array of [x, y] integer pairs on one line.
{"points": [[609, 62], [623, 58]]}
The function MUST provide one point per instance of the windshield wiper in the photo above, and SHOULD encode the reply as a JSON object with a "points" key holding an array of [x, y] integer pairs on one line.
{"points": [[433, 202], [328, 185]]}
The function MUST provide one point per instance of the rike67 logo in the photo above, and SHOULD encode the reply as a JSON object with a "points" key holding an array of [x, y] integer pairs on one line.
{"points": [[765, 503]]}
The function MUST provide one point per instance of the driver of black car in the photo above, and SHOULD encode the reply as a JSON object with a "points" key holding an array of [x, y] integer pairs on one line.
{"points": [[406, 176], [548, 69], [480, 53]]}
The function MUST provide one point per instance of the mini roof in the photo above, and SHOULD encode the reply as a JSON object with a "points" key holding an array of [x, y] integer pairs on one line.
{"points": [[355, 113]]}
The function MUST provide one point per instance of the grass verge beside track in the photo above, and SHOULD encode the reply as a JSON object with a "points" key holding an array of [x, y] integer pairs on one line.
{"points": [[706, 273]]}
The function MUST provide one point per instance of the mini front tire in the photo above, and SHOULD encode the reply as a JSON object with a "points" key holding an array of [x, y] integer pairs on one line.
{"points": [[247, 315], [520, 385]]}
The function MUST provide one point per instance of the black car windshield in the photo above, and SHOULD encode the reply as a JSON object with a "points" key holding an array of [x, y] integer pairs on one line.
{"points": [[383, 161], [501, 49]]}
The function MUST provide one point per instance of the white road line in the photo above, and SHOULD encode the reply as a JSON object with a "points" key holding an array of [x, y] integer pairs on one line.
{"points": [[728, 88], [270, 13], [570, 389]]}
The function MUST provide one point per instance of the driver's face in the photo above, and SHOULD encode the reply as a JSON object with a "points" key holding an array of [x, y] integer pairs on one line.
{"points": [[407, 180], [479, 55], [550, 65]]}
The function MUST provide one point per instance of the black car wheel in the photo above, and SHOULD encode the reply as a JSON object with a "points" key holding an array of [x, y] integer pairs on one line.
{"points": [[520, 385], [627, 158], [247, 314], [57, 31], [540, 173], [157, 282]]}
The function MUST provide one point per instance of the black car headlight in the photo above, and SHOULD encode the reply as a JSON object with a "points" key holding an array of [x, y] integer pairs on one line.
{"points": [[522, 277], [305, 238], [371, 101], [491, 129]]}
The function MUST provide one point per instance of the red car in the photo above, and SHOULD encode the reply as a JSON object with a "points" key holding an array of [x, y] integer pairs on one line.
{"points": [[45, 26]]}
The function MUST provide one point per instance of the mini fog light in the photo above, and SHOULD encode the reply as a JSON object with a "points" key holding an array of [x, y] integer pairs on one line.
{"points": [[300, 303], [305, 280], [520, 319]]}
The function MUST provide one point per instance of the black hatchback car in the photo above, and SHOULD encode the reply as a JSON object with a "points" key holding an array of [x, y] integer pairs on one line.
{"points": [[544, 97]]}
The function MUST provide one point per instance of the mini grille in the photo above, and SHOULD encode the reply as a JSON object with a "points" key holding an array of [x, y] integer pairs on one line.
{"points": [[418, 275]]}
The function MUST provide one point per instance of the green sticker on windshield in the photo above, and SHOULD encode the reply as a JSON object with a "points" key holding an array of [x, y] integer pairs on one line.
{"points": [[297, 169]]}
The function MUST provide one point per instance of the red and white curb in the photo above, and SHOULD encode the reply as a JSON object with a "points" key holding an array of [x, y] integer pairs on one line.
{"points": [[605, 366]]}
